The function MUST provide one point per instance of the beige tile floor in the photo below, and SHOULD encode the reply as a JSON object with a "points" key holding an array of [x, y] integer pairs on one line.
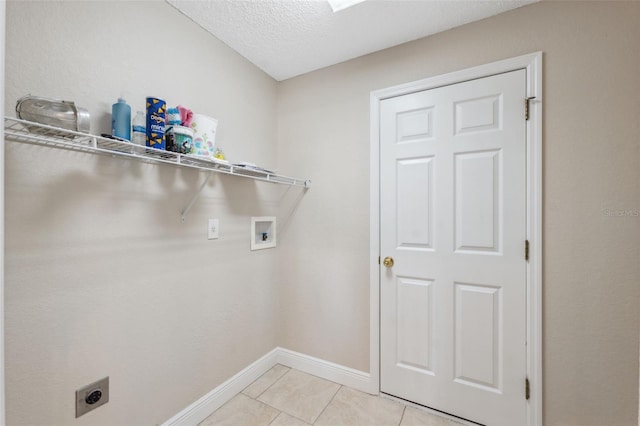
{"points": [[288, 397]]}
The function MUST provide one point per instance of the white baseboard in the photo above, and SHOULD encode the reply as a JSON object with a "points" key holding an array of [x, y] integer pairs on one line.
{"points": [[203, 407], [337, 373]]}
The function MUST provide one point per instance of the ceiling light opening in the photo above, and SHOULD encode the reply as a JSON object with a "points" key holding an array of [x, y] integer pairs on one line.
{"points": [[338, 5]]}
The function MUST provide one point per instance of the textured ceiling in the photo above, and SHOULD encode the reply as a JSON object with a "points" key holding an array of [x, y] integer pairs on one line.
{"points": [[286, 38]]}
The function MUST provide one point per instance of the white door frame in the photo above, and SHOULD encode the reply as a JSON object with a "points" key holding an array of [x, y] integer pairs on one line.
{"points": [[532, 63]]}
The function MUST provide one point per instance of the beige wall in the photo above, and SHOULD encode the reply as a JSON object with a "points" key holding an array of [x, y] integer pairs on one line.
{"points": [[101, 276], [2, 364], [591, 157], [102, 279]]}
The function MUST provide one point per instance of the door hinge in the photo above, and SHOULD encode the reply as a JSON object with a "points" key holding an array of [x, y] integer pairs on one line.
{"points": [[526, 250], [527, 105], [527, 389]]}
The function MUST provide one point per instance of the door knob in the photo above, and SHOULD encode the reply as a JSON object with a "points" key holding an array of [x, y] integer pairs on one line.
{"points": [[388, 262]]}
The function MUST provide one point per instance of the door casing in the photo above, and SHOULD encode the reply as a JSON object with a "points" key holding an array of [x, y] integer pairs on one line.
{"points": [[532, 63]]}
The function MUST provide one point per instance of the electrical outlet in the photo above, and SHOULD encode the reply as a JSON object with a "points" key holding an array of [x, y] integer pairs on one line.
{"points": [[214, 229], [92, 396]]}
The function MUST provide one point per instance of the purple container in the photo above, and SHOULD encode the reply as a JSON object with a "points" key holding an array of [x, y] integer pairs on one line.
{"points": [[156, 114]]}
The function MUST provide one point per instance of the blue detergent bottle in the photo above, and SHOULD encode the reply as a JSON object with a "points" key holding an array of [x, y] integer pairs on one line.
{"points": [[121, 119]]}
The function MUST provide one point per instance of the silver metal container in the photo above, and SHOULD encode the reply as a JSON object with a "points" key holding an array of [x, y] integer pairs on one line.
{"points": [[53, 112]]}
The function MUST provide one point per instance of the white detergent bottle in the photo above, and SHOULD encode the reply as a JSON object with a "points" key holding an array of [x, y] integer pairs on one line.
{"points": [[139, 129]]}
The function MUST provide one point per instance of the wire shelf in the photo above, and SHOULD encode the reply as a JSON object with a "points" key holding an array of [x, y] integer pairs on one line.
{"points": [[18, 130]]}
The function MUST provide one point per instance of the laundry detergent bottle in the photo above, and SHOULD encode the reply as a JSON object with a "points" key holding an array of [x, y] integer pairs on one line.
{"points": [[121, 119]]}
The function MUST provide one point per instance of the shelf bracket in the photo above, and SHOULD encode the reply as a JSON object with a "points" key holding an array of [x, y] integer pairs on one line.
{"points": [[195, 197]]}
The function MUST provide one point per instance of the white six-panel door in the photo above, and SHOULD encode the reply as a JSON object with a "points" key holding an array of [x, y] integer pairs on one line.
{"points": [[453, 217]]}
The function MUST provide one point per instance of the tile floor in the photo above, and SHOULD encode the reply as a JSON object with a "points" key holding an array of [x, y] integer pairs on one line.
{"points": [[288, 397]]}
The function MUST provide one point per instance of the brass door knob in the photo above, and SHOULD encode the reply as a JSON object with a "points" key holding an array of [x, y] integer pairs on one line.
{"points": [[388, 262]]}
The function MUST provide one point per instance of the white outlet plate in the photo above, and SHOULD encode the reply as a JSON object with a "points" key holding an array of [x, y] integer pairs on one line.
{"points": [[214, 229]]}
